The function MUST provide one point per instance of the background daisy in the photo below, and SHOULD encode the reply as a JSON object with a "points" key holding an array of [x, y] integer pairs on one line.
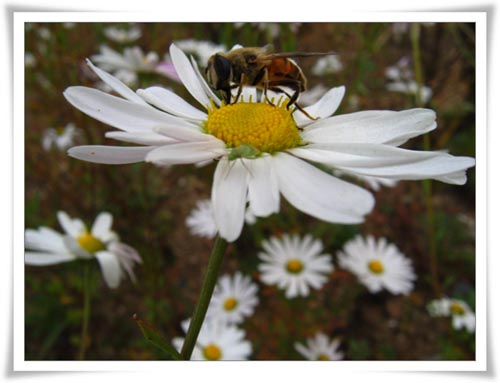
{"points": [[294, 264], [378, 265], [461, 314], [320, 347], [234, 299], [218, 341]]}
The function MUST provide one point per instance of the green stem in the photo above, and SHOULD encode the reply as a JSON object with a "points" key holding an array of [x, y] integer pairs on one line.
{"points": [[205, 296], [86, 312], [426, 184]]}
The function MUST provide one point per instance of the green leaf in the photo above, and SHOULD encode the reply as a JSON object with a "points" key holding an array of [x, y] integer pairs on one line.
{"points": [[153, 335]]}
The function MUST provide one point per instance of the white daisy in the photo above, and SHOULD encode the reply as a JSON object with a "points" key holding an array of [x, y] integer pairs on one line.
{"points": [[327, 65], [61, 138], [217, 341], [50, 247], [201, 220], [461, 314], [123, 35], [167, 131], [126, 66], [402, 79], [320, 348], [294, 264], [378, 265], [234, 298]]}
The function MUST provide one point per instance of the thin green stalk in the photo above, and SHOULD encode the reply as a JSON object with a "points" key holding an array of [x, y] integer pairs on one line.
{"points": [[426, 184], [206, 294], [86, 312]]}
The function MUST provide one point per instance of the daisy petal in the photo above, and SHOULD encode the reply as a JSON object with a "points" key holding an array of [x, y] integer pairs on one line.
{"points": [[117, 112], [263, 191], [207, 88], [118, 86], [229, 195], [186, 153], [188, 76], [102, 224], [168, 101], [112, 155], [110, 267], [141, 138], [319, 194], [44, 259], [376, 127], [324, 107], [73, 227]]}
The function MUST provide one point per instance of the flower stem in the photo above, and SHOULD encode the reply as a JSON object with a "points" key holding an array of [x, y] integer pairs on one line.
{"points": [[426, 184], [205, 296], [86, 312]]}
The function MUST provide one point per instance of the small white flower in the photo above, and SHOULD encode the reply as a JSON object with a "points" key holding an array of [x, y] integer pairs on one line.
{"points": [[50, 247], [167, 130], [122, 35], [378, 265], [320, 348], [234, 298], [461, 314], [29, 60], [61, 138], [402, 79], [217, 341], [44, 33], [201, 220], [126, 66], [202, 50], [294, 264], [327, 65]]}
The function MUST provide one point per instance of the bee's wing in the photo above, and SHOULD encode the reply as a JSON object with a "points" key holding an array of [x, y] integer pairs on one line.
{"points": [[295, 54]]}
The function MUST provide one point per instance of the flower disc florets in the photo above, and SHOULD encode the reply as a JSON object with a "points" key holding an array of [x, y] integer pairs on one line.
{"points": [[267, 127]]}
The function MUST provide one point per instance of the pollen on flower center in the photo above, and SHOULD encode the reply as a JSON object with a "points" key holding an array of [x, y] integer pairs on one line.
{"points": [[212, 352], [294, 266], [269, 128], [457, 309], [90, 243], [376, 267], [230, 304], [323, 357]]}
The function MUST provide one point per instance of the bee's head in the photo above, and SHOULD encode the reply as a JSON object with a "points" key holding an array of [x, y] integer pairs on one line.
{"points": [[218, 72]]}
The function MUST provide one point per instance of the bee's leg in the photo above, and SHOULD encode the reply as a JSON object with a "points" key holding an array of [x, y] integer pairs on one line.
{"points": [[265, 81], [294, 85]]}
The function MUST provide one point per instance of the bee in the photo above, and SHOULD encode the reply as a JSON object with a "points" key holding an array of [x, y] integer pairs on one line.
{"points": [[259, 67]]}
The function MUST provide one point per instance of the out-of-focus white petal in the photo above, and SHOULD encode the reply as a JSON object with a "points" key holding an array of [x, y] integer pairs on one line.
{"points": [[324, 107], [112, 155], [186, 153], [263, 191], [373, 126], [44, 259], [73, 227], [319, 194], [110, 267], [229, 196], [168, 101], [115, 84], [102, 224], [117, 112], [188, 76]]}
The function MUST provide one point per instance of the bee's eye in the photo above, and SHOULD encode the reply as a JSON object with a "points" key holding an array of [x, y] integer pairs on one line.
{"points": [[222, 67]]}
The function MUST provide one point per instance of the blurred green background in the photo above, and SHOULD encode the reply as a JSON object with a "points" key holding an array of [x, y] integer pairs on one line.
{"points": [[150, 204]]}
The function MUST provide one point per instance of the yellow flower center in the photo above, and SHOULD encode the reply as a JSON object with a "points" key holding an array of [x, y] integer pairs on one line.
{"points": [[294, 266], [212, 352], [230, 304], [60, 130], [376, 267], [90, 243], [268, 128], [323, 357], [457, 309]]}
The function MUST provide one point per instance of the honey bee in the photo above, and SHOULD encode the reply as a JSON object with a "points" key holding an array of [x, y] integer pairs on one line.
{"points": [[259, 67]]}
